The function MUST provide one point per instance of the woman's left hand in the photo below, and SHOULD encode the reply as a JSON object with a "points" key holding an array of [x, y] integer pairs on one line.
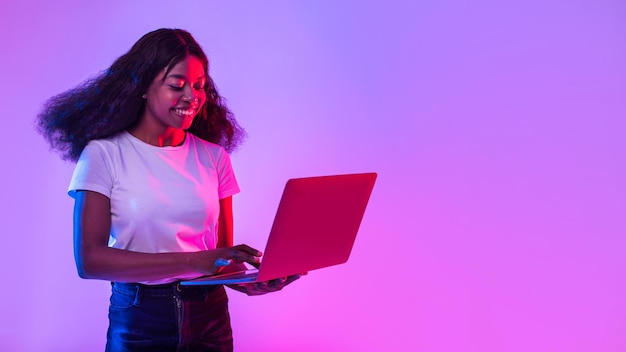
{"points": [[261, 288]]}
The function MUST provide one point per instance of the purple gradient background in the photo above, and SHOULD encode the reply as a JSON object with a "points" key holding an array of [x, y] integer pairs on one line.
{"points": [[497, 129]]}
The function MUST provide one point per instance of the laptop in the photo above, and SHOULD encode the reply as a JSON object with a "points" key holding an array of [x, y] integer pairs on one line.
{"points": [[315, 227]]}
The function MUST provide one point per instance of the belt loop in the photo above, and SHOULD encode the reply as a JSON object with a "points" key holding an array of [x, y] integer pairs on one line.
{"points": [[137, 295]]}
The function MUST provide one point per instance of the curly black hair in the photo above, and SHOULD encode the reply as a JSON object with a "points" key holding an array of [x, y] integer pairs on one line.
{"points": [[112, 101]]}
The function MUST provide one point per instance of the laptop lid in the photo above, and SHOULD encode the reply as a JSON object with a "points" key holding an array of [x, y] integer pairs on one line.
{"points": [[315, 225]]}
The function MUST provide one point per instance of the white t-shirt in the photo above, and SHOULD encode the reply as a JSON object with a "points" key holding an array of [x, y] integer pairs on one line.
{"points": [[163, 199]]}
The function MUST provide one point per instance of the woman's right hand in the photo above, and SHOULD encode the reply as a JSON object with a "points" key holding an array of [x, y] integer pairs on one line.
{"points": [[209, 262]]}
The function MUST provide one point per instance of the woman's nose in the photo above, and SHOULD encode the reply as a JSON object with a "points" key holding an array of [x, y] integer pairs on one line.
{"points": [[189, 95]]}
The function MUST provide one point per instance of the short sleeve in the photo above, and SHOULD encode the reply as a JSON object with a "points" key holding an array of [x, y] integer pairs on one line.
{"points": [[228, 185], [93, 171]]}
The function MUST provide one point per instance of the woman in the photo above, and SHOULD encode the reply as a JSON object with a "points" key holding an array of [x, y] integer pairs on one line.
{"points": [[153, 189]]}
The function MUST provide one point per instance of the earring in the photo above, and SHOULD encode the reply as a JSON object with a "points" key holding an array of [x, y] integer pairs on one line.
{"points": [[144, 96]]}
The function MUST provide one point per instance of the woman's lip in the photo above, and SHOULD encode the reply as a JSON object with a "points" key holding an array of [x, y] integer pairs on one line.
{"points": [[185, 116], [187, 107]]}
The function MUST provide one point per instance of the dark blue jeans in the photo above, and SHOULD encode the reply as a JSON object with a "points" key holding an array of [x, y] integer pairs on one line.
{"points": [[168, 318]]}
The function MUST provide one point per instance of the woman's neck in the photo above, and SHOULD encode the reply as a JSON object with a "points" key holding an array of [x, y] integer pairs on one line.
{"points": [[167, 137]]}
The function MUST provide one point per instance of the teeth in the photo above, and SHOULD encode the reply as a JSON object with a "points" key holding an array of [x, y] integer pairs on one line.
{"points": [[184, 111]]}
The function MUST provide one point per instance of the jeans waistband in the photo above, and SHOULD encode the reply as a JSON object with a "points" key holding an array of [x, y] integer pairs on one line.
{"points": [[164, 290]]}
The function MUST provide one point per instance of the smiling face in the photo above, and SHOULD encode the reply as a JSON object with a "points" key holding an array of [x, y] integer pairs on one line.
{"points": [[173, 99]]}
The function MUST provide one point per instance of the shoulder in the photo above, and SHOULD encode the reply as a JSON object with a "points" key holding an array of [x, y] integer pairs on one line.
{"points": [[209, 153], [205, 145], [105, 148], [112, 141]]}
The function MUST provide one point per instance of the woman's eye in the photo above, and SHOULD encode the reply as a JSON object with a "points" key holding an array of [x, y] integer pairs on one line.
{"points": [[176, 87]]}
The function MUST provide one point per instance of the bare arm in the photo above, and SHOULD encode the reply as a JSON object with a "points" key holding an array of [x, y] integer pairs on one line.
{"points": [[225, 234], [95, 260], [225, 229]]}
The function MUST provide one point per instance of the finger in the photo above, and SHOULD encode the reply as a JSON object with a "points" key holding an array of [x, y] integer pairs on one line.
{"points": [[249, 250], [240, 256], [276, 284], [292, 278]]}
